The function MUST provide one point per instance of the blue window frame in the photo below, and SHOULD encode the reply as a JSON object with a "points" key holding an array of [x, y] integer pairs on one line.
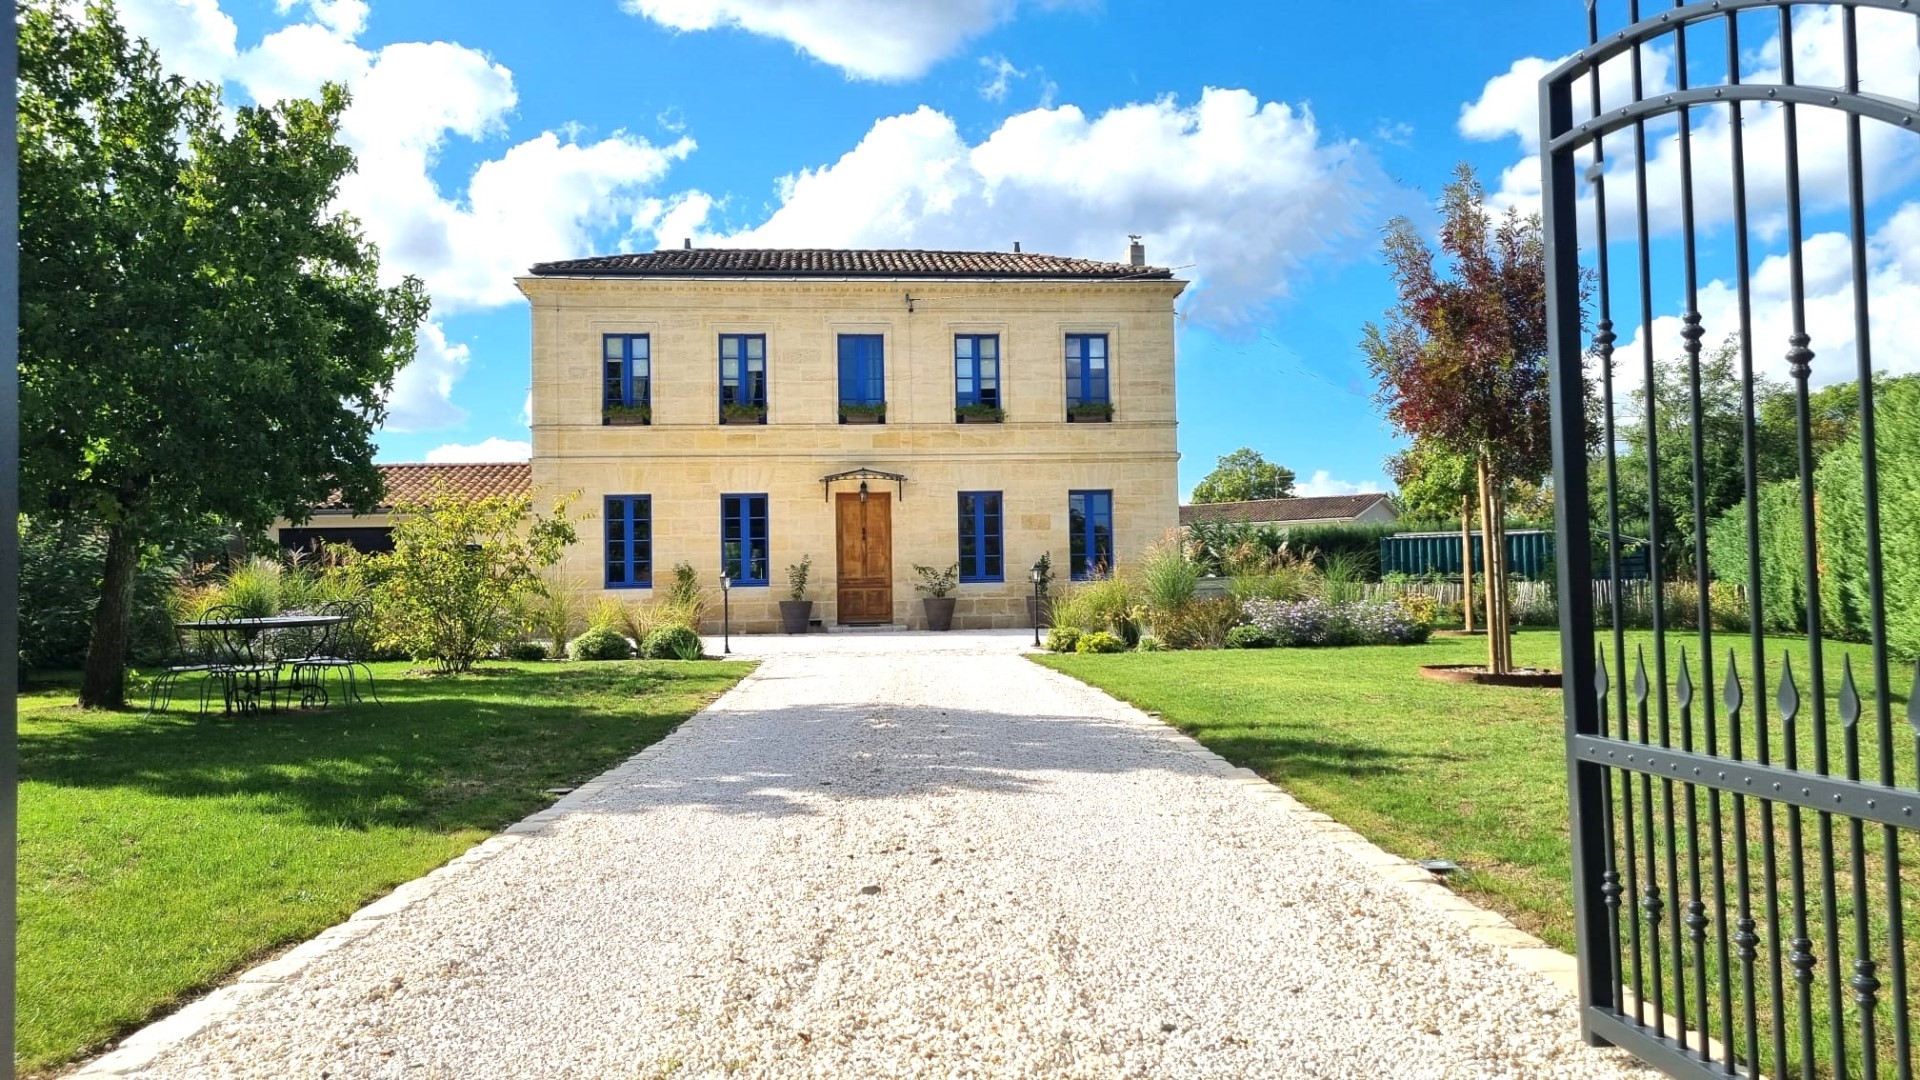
{"points": [[1086, 369], [629, 554], [743, 538], [976, 369], [627, 362], [863, 369], [1090, 533], [743, 370], [982, 544]]}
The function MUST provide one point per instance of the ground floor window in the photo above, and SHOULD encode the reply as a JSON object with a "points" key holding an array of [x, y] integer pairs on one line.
{"points": [[981, 542], [743, 538], [629, 521], [1090, 533]]}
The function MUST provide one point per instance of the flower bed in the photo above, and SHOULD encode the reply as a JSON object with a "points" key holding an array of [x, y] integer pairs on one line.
{"points": [[1315, 621]]}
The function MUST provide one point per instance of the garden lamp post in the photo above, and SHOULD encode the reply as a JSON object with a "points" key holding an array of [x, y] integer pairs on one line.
{"points": [[1034, 574], [726, 615]]}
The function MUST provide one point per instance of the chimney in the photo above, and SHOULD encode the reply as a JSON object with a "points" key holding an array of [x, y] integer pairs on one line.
{"points": [[1016, 247], [1136, 251], [686, 243]]}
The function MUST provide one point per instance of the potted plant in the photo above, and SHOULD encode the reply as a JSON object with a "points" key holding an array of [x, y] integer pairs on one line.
{"points": [[1039, 608], [734, 413], [854, 412], [1090, 412], [796, 613], [938, 584], [625, 415], [979, 414]]}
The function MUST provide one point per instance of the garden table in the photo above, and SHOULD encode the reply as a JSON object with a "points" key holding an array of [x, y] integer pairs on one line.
{"points": [[245, 672]]}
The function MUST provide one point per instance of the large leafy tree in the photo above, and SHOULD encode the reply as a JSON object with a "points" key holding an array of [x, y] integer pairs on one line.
{"points": [[1244, 474], [1462, 359], [200, 332]]}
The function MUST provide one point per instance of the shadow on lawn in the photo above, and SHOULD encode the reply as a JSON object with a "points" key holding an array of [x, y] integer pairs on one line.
{"points": [[439, 753]]}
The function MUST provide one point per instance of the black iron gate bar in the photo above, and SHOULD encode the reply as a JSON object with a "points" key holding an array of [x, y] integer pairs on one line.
{"points": [[1621, 957]]}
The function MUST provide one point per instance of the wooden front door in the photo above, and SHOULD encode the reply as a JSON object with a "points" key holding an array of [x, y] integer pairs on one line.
{"points": [[865, 530]]}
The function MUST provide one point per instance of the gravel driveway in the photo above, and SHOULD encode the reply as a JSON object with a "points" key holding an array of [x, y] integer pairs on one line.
{"points": [[908, 855]]}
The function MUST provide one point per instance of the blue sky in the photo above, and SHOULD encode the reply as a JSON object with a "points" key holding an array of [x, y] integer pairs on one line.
{"points": [[1260, 145]]}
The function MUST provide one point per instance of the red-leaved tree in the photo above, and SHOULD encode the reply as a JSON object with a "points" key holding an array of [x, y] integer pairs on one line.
{"points": [[1462, 360]]}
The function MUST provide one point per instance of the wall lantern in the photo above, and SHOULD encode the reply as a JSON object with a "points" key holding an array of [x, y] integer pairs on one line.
{"points": [[863, 492]]}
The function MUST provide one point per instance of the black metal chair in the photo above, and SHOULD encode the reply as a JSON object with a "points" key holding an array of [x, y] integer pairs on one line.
{"points": [[192, 654], [244, 673], [340, 648]]}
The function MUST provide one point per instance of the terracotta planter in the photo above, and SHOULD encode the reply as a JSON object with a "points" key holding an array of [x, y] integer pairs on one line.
{"points": [[795, 615], [624, 421], [725, 419], [1089, 418], [862, 418], [1475, 673], [940, 612], [963, 418]]}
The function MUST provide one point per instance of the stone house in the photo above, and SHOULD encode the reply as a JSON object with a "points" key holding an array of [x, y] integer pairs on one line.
{"points": [[738, 410]]}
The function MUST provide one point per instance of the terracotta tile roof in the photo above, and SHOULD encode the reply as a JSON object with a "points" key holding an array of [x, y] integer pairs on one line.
{"points": [[1305, 508], [412, 482], [839, 262]]}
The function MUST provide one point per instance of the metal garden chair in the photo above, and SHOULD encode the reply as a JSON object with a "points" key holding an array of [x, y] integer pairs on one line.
{"points": [[341, 649]]}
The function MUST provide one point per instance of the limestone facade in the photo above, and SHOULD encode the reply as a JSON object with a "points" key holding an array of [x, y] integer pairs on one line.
{"points": [[685, 459]]}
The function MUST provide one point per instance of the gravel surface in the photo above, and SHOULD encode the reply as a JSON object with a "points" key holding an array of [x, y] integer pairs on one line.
{"points": [[910, 855]]}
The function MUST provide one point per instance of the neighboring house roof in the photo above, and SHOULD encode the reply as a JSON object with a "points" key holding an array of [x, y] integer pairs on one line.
{"points": [[1281, 511], [413, 482], [839, 263]]}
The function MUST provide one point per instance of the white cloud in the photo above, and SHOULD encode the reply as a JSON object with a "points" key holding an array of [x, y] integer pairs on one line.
{"points": [[1000, 75], [1323, 482], [422, 397], [193, 37], [492, 449], [1246, 192], [867, 39]]}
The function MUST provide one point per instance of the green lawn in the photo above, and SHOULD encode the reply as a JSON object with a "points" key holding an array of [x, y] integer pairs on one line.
{"points": [[160, 854], [1476, 774]]}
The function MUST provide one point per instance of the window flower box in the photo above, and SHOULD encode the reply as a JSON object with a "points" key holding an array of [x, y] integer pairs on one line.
{"points": [[979, 414], [857, 413], [743, 414], [626, 415], [1090, 412]]}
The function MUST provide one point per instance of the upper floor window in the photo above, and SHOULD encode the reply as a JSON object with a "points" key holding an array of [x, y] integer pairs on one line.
{"points": [[743, 378], [863, 382], [976, 376], [1087, 383], [1089, 533], [743, 538], [627, 382], [982, 542], [629, 554]]}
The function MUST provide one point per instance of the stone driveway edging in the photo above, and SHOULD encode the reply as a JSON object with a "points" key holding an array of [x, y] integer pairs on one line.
{"points": [[139, 1049]]}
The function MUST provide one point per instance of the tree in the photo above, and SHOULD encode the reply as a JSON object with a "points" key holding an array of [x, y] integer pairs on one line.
{"points": [[460, 574], [1242, 475], [200, 332], [1462, 361]]}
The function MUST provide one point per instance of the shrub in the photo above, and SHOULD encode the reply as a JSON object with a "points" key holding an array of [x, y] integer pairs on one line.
{"points": [[1249, 637], [1149, 643], [1422, 608], [525, 650], [1100, 642], [254, 588], [1315, 621], [672, 643], [1203, 624], [600, 643], [1063, 638], [555, 612], [686, 602], [797, 574], [1290, 583], [935, 582], [1167, 577]]}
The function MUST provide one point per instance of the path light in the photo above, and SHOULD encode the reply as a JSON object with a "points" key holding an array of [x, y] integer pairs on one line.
{"points": [[1441, 867], [726, 615], [1034, 575]]}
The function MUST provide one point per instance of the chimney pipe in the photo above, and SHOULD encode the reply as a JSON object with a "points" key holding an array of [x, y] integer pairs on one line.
{"points": [[686, 244], [1136, 251], [1016, 247]]}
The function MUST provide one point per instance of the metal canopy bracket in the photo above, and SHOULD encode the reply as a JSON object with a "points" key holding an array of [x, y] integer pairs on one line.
{"points": [[826, 482]]}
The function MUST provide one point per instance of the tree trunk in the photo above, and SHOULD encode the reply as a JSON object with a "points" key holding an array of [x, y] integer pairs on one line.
{"points": [[1495, 582], [1466, 559], [1497, 573], [104, 684]]}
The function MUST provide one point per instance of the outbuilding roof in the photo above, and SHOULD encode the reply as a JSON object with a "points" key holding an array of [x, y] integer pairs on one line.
{"points": [[411, 482], [1263, 511], [845, 262]]}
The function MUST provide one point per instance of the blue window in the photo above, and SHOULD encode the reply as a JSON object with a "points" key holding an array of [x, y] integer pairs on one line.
{"points": [[981, 541], [629, 541], [1090, 533], [743, 538], [862, 369], [976, 369], [1086, 369], [743, 371], [627, 361]]}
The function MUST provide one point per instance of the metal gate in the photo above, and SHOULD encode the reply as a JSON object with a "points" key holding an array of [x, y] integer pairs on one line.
{"points": [[1740, 798]]}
